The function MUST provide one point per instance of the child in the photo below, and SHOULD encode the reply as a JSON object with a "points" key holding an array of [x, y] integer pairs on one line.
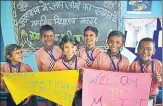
{"points": [[90, 52], [146, 64], [113, 60], [13, 57], [70, 61], [48, 54]]}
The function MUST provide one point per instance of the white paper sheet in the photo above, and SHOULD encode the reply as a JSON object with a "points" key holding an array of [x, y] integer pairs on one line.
{"points": [[150, 102], [131, 57], [160, 39], [131, 38], [137, 24]]}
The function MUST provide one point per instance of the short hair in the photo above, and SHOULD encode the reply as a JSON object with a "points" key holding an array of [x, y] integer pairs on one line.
{"points": [[116, 33], [45, 28], [93, 29], [69, 38], [9, 50], [146, 39]]}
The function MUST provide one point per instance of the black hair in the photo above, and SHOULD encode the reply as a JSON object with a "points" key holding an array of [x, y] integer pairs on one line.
{"points": [[45, 28], [93, 29], [69, 38], [146, 39], [9, 50], [116, 33]]}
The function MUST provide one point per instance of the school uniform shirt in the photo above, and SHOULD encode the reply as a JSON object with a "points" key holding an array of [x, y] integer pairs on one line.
{"points": [[104, 62], [62, 65], [157, 66], [43, 58], [14, 69], [89, 55]]}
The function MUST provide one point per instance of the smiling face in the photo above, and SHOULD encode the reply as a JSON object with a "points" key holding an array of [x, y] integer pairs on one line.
{"points": [[69, 50], [146, 50], [48, 38], [115, 43], [90, 38], [16, 56]]}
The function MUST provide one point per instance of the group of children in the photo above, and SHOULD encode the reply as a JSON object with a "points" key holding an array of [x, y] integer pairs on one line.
{"points": [[69, 55]]}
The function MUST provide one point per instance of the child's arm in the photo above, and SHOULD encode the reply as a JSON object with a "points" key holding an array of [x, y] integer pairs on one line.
{"points": [[95, 64], [28, 68], [126, 65], [158, 73], [2, 81], [132, 68], [38, 62]]}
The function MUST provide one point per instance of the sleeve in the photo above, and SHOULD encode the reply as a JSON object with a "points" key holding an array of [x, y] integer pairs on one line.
{"points": [[160, 71], [28, 68], [131, 68], [95, 64], [2, 81], [127, 66], [38, 62], [56, 66], [78, 53]]}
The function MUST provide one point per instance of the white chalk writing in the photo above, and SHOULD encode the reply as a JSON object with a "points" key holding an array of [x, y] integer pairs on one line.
{"points": [[22, 6], [45, 5], [63, 21], [110, 4], [58, 4], [25, 17], [41, 22], [88, 20]]}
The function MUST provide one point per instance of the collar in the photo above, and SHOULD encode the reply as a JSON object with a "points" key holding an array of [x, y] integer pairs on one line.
{"points": [[117, 55], [146, 63], [70, 60], [16, 65], [49, 48], [90, 49]]}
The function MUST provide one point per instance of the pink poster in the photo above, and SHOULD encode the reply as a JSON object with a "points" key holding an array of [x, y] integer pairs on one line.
{"points": [[105, 88]]}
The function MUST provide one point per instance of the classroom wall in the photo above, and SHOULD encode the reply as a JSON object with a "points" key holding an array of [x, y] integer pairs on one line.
{"points": [[9, 34]]}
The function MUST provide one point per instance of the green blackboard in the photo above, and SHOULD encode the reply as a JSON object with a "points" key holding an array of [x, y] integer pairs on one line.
{"points": [[65, 17]]}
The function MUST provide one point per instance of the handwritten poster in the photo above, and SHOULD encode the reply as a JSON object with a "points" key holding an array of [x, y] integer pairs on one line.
{"points": [[58, 86], [105, 88]]}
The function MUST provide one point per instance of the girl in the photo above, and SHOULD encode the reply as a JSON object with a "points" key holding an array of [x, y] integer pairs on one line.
{"points": [[113, 60], [90, 52], [13, 57], [70, 61], [146, 64]]}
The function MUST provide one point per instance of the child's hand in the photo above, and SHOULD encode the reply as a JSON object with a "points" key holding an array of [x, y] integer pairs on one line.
{"points": [[2, 83], [26, 101], [81, 70], [157, 76]]}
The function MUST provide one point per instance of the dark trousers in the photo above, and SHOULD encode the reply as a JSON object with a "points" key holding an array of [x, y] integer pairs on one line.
{"points": [[50, 103], [77, 101], [154, 99], [10, 101]]}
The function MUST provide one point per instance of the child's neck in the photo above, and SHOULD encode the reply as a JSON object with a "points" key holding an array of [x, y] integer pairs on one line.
{"points": [[114, 54], [145, 61], [68, 59], [90, 47], [48, 47], [14, 63]]}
